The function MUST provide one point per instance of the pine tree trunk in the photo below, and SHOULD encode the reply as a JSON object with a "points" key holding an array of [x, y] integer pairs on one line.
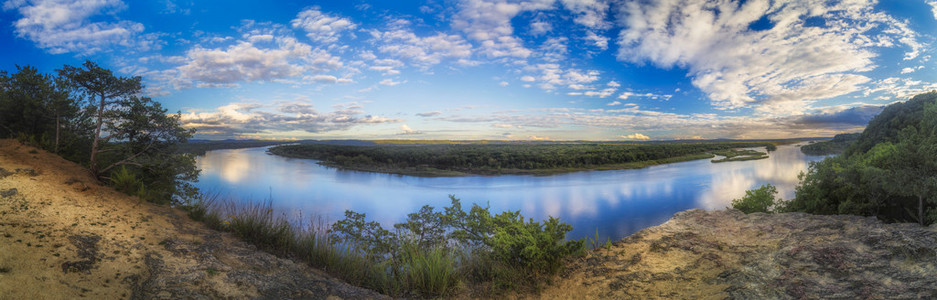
{"points": [[58, 128], [920, 209], [97, 137]]}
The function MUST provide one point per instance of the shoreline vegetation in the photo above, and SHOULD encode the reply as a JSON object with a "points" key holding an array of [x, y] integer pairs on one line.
{"points": [[434, 253], [739, 155], [516, 158]]}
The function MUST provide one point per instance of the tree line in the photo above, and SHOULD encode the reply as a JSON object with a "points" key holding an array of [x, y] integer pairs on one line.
{"points": [[476, 158], [103, 121]]}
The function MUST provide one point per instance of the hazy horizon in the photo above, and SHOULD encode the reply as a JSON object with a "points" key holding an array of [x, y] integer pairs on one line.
{"points": [[562, 70]]}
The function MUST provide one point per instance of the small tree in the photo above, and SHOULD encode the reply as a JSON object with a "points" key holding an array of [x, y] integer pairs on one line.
{"points": [[134, 132], [758, 200], [105, 91]]}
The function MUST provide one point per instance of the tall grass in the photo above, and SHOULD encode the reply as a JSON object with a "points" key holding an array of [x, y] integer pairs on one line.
{"points": [[423, 272], [411, 268]]}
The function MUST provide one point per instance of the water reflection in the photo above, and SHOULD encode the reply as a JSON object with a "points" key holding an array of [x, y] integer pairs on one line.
{"points": [[614, 203]]}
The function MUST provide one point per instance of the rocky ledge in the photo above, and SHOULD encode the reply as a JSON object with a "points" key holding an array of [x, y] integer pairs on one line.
{"points": [[728, 254]]}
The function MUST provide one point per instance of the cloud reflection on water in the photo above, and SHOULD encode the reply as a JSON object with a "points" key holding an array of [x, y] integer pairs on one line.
{"points": [[615, 203]]}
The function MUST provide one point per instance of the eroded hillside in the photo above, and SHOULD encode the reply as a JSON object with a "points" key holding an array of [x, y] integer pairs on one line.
{"points": [[62, 236]]}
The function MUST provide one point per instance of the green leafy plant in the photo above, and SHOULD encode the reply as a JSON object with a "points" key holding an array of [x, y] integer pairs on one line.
{"points": [[758, 200]]}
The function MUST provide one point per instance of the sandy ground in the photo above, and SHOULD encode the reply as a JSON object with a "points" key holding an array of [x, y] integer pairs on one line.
{"points": [[62, 236]]}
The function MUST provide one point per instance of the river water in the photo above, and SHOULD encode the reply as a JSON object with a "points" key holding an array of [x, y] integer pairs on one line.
{"points": [[613, 203]]}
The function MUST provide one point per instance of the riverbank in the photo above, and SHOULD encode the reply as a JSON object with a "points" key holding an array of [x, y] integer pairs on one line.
{"points": [[425, 171], [452, 160], [63, 236]]}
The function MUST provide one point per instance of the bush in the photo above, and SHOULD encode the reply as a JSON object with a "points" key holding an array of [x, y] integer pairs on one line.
{"points": [[505, 249], [127, 182], [757, 200]]}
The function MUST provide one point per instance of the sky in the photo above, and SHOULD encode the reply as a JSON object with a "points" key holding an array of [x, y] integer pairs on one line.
{"points": [[620, 70]]}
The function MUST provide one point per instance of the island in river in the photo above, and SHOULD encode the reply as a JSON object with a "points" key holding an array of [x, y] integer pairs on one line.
{"points": [[518, 158]]}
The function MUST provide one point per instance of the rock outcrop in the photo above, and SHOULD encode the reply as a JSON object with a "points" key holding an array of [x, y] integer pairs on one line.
{"points": [[728, 254]]}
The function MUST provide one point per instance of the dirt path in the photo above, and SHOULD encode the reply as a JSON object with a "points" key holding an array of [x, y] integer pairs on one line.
{"points": [[64, 237]]}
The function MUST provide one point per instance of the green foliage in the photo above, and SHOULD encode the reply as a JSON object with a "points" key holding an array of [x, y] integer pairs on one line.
{"points": [[761, 200], [837, 145], [890, 172], [516, 252], [515, 158], [126, 181]]}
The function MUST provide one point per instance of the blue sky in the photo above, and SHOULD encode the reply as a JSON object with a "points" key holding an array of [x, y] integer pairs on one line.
{"points": [[494, 69]]}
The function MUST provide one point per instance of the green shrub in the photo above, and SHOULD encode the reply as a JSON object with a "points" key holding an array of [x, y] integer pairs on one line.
{"points": [[126, 181], [505, 249], [757, 200]]}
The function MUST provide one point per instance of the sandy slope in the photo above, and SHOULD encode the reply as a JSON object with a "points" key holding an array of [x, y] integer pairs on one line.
{"points": [[62, 236]]}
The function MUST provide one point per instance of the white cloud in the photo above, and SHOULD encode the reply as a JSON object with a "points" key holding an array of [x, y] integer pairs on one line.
{"points": [[604, 93], [597, 40], [898, 89], [551, 76], [62, 26], [554, 49], [240, 119], [488, 22], [933, 4], [540, 27], [320, 26], [613, 103], [245, 61], [326, 79], [385, 70], [613, 84], [503, 83], [406, 130], [389, 82], [907, 70], [589, 13], [425, 51], [626, 95], [635, 136], [737, 66]]}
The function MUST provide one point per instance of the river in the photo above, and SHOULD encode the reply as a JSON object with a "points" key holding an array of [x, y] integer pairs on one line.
{"points": [[613, 203]]}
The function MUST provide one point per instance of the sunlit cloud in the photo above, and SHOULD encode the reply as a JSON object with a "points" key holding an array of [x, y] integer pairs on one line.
{"points": [[635, 136]]}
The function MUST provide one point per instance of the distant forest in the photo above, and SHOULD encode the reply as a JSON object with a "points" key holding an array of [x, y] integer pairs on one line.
{"points": [[511, 158], [837, 145]]}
